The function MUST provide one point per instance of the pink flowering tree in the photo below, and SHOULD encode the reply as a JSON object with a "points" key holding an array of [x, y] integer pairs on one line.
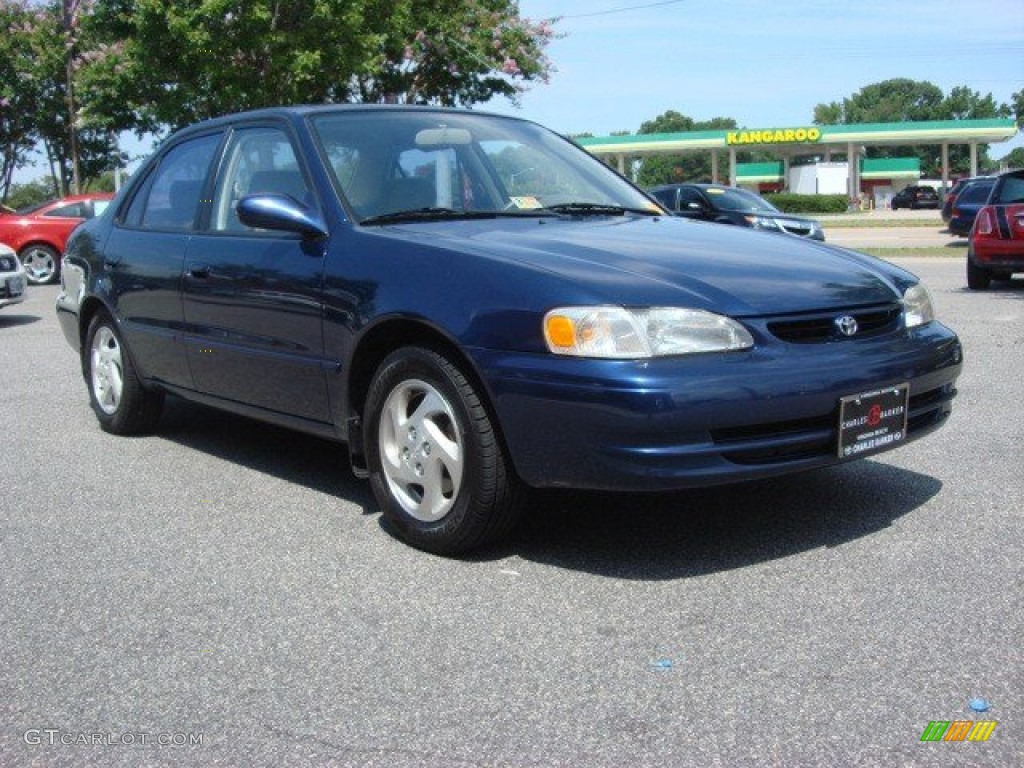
{"points": [[191, 59], [455, 52]]}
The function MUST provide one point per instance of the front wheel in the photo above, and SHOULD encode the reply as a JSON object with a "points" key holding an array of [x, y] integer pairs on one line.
{"points": [[41, 262], [437, 466], [122, 405]]}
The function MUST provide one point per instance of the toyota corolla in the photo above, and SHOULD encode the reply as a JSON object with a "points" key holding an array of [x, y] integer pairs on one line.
{"points": [[475, 306]]}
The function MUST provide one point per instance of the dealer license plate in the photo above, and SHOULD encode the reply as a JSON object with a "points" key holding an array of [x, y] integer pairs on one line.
{"points": [[873, 421], [15, 286]]}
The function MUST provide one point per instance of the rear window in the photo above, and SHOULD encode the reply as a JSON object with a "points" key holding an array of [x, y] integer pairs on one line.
{"points": [[1012, 190], [975, 193]]}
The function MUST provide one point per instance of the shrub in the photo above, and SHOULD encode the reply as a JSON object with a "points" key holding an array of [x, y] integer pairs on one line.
{"points": [[791, 203]]}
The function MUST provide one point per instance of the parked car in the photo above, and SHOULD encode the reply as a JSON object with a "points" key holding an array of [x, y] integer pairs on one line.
{"points": [[12, 277], [996, 248], [958, 185], [39, 233], [728, 205], [914, 197], [474, 305], [967, 204]]}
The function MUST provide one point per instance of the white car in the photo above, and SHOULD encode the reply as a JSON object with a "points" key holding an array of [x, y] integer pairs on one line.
{"points": [[12, 277]]}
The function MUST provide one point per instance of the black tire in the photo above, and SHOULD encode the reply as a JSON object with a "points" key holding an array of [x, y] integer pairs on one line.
{"points": [[41, 262], [419, 410], [122, 405], [978, 278]]}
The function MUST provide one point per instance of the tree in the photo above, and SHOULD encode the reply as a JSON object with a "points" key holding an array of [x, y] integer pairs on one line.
{"points": [[171, 64], [1017, 105], [902, 100], [1015, 159], [694, 166], [17, 92]]}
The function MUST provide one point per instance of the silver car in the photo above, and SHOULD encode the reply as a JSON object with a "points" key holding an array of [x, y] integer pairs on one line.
{"points": [[12, 277]]}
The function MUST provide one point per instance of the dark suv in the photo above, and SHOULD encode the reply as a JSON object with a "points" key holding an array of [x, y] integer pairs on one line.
{"points": [[915, 197], [728, 205]]}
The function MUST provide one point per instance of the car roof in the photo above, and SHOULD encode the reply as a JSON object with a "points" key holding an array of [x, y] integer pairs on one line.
{"points": [[299, 111]]}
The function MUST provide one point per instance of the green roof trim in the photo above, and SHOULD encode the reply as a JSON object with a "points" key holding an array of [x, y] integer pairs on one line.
{"points": [[984, 130], [749, 172]]}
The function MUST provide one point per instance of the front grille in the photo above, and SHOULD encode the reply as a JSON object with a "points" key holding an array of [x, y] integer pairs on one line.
{"points": [[821, 327], [786, 441], [795, 228], [7, 264]]}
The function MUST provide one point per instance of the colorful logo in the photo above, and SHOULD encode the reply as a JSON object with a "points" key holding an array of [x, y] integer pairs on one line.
{"points": [[959, 730]]}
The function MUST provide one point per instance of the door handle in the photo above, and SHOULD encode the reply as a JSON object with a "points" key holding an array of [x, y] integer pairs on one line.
{"points": [[199, 272]]}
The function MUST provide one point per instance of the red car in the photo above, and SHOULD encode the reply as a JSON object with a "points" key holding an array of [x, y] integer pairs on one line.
{"points": [[38, 233], [996, 247]]}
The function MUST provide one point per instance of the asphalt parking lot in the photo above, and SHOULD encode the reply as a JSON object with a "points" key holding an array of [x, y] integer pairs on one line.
{"points": [[226, 587]]}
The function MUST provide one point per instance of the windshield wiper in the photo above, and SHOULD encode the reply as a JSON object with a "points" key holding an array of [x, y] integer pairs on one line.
{"points": [[445, 214], [598, 209], [426, 214]]}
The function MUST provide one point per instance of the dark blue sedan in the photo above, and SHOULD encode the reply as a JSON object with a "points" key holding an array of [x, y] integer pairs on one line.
{"points": [[475, 305]]}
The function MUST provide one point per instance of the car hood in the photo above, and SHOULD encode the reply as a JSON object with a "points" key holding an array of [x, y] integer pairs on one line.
{"points": [[668, 261]]}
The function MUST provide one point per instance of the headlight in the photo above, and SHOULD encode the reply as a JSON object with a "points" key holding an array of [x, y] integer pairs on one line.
{"points": [[617, 332], [761, 222], [917, 306]]}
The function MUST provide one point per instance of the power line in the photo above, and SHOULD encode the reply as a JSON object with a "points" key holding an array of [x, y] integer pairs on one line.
{"points": [[622, 10]]}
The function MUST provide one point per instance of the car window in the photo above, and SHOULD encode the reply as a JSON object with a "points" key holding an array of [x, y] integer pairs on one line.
{"points": [[258, 160], [1012, 190], [99, 206], [728, 199], [69, 211], [689, 195], [666, 197], [975, 193], [171, 199]]}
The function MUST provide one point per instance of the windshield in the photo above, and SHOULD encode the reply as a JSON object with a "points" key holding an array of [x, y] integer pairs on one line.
{"points": [[728, 199], [26, 210], [387, 163]]}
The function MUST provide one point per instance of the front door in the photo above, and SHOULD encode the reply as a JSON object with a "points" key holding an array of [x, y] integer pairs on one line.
{"points": [[252, 297]]}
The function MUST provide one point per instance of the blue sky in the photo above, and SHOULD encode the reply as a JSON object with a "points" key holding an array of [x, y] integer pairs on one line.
{"points": [[765, 64]]}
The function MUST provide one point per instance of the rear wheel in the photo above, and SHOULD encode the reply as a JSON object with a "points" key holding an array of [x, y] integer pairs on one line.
{"points": [[122, 405], [978, 278], [41, 262], [437, 466]]}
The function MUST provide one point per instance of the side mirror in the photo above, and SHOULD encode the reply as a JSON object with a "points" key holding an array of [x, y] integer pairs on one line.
{"points": [[280, 212]]}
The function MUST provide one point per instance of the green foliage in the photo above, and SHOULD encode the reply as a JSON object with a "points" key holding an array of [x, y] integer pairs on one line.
{"points": [[171, 64], [902, 100], [32, 193], [1015, 159], [791, 203], [693, 166]]}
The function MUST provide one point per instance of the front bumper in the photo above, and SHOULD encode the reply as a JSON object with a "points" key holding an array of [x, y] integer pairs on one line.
{"points": [[12, 288], [707, 419]]}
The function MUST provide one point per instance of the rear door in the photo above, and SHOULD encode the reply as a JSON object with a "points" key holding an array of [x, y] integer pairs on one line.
{"points": [[145, 254], [252, 298]]}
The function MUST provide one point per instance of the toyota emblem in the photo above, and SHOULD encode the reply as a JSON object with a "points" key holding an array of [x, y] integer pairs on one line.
{"points": [[846, 325]]}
